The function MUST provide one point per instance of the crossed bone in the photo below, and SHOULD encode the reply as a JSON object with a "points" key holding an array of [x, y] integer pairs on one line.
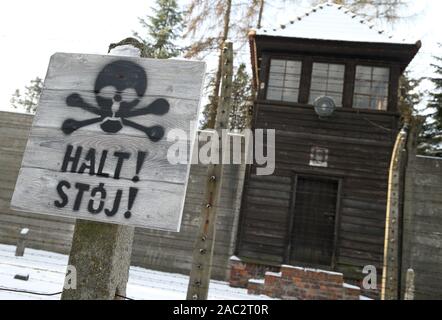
{"points": [[157, 107]]}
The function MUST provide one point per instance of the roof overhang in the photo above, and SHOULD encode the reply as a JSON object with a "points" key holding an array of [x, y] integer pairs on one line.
{"points": [[399, 53]]}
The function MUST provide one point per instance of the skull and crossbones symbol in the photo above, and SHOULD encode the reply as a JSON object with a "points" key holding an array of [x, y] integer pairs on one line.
{"points": [[112, 111]]}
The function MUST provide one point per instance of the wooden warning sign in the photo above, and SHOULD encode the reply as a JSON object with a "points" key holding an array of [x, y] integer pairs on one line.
{"points": [[99, 141]]}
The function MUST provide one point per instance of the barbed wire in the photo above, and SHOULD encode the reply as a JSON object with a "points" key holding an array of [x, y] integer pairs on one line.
{"points": [[30, 292], [46, 294]]}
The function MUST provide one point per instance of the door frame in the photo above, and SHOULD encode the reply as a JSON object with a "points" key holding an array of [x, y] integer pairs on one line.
{"points": [[291, 216]]}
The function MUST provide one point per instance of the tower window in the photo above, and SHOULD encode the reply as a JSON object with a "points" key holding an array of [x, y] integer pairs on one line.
{"points": [[284, 80], [371, 88], [327, 80]]}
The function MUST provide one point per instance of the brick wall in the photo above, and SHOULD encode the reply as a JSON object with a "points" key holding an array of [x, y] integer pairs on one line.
{"points": [[422, 222], [241, 272], [291, 282]]}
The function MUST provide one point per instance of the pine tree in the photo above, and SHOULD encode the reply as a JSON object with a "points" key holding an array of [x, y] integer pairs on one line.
{"points": [[29, 100], [219, 22], [241, 99], [409, 96], [207, 108], [162, 30], [431, 135]]}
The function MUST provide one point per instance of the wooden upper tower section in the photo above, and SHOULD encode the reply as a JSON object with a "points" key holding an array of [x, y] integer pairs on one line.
{"points": [[329, 51]]}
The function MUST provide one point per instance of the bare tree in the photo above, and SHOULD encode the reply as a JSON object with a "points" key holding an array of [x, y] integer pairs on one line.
{"points": [[211, 23], [387, 10]]}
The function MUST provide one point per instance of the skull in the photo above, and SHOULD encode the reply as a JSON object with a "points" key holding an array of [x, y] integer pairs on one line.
{"points": [[118, 88]]}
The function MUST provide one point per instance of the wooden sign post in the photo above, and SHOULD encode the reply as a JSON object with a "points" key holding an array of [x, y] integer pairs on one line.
{"points": [[99, 142]]}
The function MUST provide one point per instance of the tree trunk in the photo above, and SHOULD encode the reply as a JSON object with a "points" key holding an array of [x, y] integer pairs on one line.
{"points": [[261, 9], [214, 106]]}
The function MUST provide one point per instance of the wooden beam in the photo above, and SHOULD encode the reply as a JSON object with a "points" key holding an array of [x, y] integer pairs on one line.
{"points": [[349, 84], [202, 255], [305, 81]]}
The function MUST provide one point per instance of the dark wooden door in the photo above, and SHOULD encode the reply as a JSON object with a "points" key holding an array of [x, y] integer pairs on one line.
{"points": [[313, 229]]}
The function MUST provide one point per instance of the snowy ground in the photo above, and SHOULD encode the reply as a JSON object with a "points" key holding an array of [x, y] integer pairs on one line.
{"points": [[46, 275]]}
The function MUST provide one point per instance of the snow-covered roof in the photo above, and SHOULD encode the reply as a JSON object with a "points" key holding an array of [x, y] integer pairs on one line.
{"points": [[330, 21]]}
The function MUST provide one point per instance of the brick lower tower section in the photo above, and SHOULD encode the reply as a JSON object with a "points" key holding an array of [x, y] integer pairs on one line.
{"points": [[290, 282]]}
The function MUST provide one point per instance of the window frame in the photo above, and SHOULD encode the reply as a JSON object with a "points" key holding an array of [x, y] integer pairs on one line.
{"points": [[388, 85], [349, 79], [267, 75], [343, 78]]}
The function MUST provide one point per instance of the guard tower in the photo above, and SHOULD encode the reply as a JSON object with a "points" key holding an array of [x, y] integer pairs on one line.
{"points": [[327, 82]]}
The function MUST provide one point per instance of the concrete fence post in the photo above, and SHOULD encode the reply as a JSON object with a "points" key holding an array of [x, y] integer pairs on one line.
{"points": [[21, 242], [409, 285], [101, 252]]}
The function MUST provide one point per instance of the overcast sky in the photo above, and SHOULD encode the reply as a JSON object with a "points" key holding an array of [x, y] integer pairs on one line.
{"points": [[31, 31]]}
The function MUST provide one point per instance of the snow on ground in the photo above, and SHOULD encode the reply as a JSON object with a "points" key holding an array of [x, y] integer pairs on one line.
{"points": [[47, 269]]}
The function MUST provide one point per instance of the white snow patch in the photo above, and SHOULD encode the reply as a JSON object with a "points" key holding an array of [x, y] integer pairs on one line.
{"points": [[257, 281], [47, 271], [275, 274], [235, 258], [126, 51], [311, 269], [429, 157], [349, 286]]}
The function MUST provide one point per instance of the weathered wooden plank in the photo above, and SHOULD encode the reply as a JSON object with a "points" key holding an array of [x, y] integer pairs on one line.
{"points": [[334, 161], [378, 216], [267, 213], [77, 72], [269, 193], [271, 201], [11, 231], [297, 165], [47, 149], [356, 245], [53, 111], [102, 124], [38, 192], [332, 134], [16, 116], [361, 255], [363, 204], [360, 237], [358, 124], [276, 179], [39, 224], [362, 229], [326, 137], [361, 221], [341, 114], [351, 150], [263, 254]]}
